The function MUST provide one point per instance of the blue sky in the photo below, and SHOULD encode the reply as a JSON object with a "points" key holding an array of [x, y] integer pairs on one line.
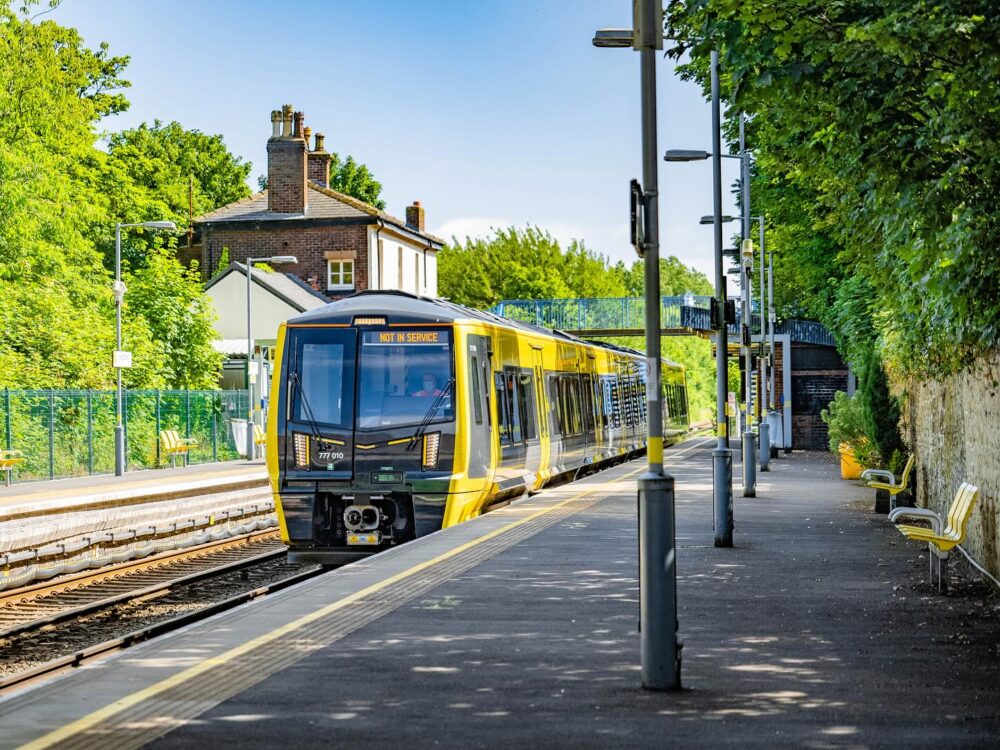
{"points": [[489, 113]]}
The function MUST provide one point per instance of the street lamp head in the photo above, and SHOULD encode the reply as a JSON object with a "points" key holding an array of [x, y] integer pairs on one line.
{"points": [[281, 260], [682, 154], [613, 38], [168, 225], [711, 219]]}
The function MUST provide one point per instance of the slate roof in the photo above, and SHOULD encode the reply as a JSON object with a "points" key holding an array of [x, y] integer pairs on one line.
{"points": [[323, 203], [286, 286]]}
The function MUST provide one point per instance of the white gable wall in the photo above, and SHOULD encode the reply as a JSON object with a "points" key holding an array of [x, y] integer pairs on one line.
{"points": [[397, 263], [229, 297]]}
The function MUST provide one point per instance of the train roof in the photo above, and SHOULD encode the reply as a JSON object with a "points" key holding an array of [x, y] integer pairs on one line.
{"points": [[411, 308]]}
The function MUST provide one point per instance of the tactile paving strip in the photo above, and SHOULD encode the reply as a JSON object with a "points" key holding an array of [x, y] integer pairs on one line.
{"points": [[144, 721]]}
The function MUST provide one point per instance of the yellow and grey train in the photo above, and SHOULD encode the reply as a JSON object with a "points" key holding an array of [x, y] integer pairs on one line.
{"points": [[392, 416]]}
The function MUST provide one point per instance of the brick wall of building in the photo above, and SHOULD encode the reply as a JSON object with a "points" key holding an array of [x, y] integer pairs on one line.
{"points": [[817, 374], [308, 243]]}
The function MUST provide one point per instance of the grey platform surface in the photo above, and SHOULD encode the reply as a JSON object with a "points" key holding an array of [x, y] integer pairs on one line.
{"points": [[78, 493], [815, 631]]}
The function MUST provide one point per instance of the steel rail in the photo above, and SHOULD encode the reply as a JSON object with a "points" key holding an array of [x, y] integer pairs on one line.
{"points": [[33, 597]]}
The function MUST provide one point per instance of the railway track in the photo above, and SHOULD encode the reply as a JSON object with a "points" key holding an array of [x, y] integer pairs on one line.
{"points": [[62, 623]]}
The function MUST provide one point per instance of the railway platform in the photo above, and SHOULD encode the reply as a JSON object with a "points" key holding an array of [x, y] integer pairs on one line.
{"points": [[104, 491], [518, 629]]}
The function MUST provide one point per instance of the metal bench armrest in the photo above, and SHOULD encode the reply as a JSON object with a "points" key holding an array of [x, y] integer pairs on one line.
{"points": [[925, 514], [882, 474]]}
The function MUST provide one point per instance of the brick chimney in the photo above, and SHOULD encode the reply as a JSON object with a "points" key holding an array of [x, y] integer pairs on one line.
{"points": [[286, 163], [415, 216], [319, 162]]}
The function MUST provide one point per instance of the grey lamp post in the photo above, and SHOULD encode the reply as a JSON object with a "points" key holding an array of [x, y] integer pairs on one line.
{"points": [[120, 360], [749, 449], [277, 260], [661, 665], [722, 456], [764, 430]]}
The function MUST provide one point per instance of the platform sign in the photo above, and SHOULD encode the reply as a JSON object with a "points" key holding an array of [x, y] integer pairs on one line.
{"points": [[637, 217], [121, 359]]}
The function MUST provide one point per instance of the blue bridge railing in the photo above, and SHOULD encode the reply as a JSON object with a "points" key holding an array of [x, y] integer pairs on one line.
{"points": [[597, 313], [609, 315]]}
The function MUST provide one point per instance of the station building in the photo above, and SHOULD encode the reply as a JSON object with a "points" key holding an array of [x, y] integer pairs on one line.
{"points": [[343, 245]]}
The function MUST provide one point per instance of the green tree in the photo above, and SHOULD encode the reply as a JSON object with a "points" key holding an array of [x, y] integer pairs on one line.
{"points": [[57, 315], [180, 316], [60, 197]]}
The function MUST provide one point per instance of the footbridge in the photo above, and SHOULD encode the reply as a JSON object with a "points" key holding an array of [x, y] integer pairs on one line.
{"points": [[687, 315]]}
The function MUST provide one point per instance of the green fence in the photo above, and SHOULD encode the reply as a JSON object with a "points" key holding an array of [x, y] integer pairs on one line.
{"points": [[71, 433]]}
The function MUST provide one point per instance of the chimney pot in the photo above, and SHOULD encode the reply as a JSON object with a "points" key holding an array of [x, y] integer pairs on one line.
{"points": [[415, 216], [306, 134], [287, 175], [299, 124], [275, 123], [319, 163]]}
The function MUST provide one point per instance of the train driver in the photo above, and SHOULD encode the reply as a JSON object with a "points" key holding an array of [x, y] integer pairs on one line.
{"points": [[430, 389]]}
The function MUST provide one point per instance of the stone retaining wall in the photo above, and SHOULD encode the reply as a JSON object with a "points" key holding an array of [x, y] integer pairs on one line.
{"points": [[953, 425]]}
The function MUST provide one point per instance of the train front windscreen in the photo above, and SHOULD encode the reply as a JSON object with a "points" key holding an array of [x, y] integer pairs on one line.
{"points": [[344, 382]]}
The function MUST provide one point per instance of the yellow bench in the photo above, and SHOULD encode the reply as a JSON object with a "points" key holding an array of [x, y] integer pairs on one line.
{"points": [[940, 541], [8, 460], [174, 445], [889, 483]]}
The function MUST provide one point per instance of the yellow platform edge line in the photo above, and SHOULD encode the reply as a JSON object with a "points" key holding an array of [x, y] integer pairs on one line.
{"points": [[102, 714]]}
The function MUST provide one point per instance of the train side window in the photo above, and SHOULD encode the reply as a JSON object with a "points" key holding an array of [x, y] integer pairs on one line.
{"points": [[503, 416], [543, 425], [526, 404], [477, 406], [571, 401], [626, 387], [588, 404], [513, 408], [555, 397]]}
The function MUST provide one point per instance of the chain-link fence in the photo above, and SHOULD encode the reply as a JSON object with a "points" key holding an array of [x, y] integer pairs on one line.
{"points": [[71, 433]]}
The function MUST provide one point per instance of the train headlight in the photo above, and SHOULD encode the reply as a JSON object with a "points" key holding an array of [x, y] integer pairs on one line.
{"points": [[430, 453], [300, 442]]}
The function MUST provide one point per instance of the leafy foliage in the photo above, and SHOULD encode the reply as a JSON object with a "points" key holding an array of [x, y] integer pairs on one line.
{"points": [[60, 198], [872, 125]]}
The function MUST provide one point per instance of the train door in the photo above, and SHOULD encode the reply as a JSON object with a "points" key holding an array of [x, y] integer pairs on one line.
{"points": [[479, 424]]}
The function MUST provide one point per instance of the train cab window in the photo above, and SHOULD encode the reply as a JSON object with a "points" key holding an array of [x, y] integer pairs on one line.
{"points": [[405, 377], [321, 378]]}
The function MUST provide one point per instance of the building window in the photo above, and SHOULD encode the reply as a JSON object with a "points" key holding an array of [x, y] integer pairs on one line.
{"points": [[340, 274]]}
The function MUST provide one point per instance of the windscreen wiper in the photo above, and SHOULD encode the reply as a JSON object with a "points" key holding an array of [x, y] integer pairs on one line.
{"points": [[422, 428], [310, 417]]}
